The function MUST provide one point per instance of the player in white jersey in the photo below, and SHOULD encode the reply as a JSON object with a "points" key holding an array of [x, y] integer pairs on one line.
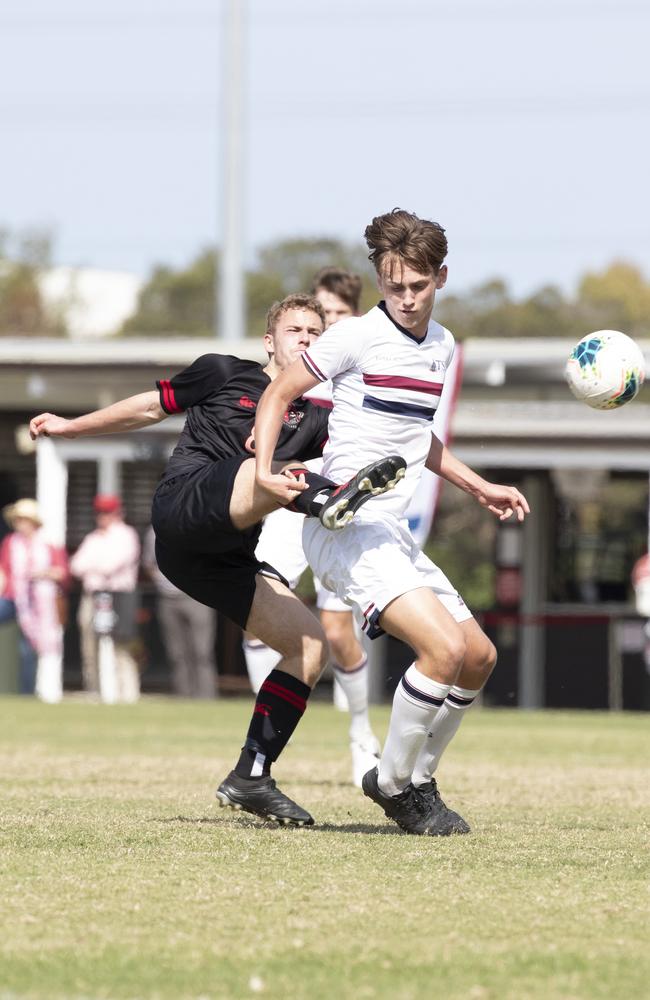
{"points": [[387, 369], [280, 545]]}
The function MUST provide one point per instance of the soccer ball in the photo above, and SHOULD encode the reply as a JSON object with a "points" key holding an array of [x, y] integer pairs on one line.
{"points": [[605, 369]]}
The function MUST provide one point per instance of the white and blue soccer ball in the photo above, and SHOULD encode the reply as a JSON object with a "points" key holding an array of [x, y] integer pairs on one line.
{"points": [[605, 369]]}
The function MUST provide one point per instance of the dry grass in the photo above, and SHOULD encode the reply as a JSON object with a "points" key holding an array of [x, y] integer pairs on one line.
{"points": [[122, 879]]}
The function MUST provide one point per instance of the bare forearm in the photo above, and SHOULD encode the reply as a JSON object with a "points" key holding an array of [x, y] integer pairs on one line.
{"points": [[126, 415], [441, 461], [268, 422], [504, 501], [129, 414]]}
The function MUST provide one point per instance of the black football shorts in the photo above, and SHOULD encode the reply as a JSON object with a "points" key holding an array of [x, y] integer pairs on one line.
{"points": [[198, 548]]}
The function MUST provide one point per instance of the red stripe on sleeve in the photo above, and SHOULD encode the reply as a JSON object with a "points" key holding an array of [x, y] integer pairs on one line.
{"points": [[312, 367], [175, 408], [169, 399]]}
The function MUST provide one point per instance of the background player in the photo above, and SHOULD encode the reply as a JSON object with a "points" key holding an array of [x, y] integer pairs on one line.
{"points": [[207, 510], [280, 544], [387, 369]]}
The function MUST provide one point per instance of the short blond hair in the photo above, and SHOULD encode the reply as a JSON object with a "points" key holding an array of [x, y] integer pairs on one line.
{"points": [[298, 301]]}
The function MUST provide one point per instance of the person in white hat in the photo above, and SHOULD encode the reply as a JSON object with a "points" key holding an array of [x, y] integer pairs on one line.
{"points": [[33, 575]]}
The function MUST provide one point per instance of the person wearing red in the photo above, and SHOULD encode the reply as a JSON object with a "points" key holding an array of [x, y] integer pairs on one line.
{"points": [[107, 562], [33, 573]]}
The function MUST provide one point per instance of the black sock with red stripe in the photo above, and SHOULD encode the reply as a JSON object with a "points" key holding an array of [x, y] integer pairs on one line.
{"points": [[279, 707], [312, 499]]}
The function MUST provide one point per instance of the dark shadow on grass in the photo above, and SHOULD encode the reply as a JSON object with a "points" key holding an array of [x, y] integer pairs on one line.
{"points": [[195, 820], [323, 783], [252, 822], [368, 828], [244, 821]]}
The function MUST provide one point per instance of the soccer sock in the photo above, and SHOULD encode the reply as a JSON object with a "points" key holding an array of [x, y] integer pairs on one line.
{"points": [[441, 732], [416, 701], [312, 499], [279, 707], [260, 660], [354, 683], [338, 697]]}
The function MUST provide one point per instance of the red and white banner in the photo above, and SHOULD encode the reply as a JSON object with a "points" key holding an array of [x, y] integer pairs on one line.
{"points": [[422, 508]]}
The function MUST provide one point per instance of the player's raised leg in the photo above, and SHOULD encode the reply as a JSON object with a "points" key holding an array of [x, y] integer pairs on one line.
{"points": [[309, 493], [280, 619]]}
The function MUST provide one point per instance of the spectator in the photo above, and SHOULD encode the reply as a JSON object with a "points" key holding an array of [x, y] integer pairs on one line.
{"points": [[33, 574], [107, 562], [641, 584], [188, 630]]}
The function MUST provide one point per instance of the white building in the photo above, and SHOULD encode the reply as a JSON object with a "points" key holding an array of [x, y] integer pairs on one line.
{"points": [[91, 302]]}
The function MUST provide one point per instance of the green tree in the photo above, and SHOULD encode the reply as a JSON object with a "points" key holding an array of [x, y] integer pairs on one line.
{"points": [[294, 262], [490, 311], [23, 256], [177, 302], [183, 302], [262, 290], [617, 298]]}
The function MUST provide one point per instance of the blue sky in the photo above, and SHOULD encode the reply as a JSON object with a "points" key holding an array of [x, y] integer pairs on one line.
{"points": [[521, 125]]}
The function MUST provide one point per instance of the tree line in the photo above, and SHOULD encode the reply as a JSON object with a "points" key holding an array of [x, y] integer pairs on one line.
{"points": [[182, 301]]}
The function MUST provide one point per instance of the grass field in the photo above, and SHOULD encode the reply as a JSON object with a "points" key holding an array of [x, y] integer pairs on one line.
{"points": [[120, 877]]}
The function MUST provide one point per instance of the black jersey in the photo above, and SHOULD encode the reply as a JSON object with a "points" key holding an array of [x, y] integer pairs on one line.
{"points": [[220, 394]]}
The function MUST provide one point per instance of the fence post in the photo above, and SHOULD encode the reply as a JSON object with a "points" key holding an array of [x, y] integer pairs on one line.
{"points": [[614, 667], [532, 644]]}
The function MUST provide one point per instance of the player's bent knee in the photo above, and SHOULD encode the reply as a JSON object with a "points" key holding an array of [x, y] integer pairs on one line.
{"points": [[335, 631], [478, 665], [444, 661], [490, 658], [484, 658], [454, 649], [343, 642]]}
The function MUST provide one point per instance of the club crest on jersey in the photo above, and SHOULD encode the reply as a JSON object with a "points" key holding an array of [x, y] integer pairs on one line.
{"points": [[247, 402], [438, 366], [292, 418]]}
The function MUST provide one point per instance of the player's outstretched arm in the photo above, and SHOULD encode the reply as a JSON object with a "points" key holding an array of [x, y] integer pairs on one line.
{"points": [[504, 501], [126, 415]]}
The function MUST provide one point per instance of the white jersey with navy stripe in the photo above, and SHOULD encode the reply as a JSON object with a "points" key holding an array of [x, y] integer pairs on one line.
{"points": [[386, 388]]}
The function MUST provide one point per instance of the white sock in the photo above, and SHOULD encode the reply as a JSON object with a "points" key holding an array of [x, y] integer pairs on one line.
{"points": [[260, 661], [338, 696], [354, 684], [416, 701], [441, 732], [49, 677]]}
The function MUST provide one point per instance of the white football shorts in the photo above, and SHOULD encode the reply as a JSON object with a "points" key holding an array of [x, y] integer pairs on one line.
{"points": [[372, 561], [280, 545]]}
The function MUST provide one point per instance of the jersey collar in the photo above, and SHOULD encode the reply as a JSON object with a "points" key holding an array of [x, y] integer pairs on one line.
{"points": [[407, 333]]}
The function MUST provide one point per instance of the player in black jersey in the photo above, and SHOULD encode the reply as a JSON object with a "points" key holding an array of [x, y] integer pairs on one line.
{"points": [[206, 513]]}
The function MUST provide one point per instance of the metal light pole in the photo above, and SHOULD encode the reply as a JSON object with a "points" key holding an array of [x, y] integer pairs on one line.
{"points": [[230, 304]]}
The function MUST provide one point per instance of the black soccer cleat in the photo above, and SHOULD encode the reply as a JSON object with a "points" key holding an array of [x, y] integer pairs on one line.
{"points": [[409, 809], [376, 478], [262, 797], [444, 820]]}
